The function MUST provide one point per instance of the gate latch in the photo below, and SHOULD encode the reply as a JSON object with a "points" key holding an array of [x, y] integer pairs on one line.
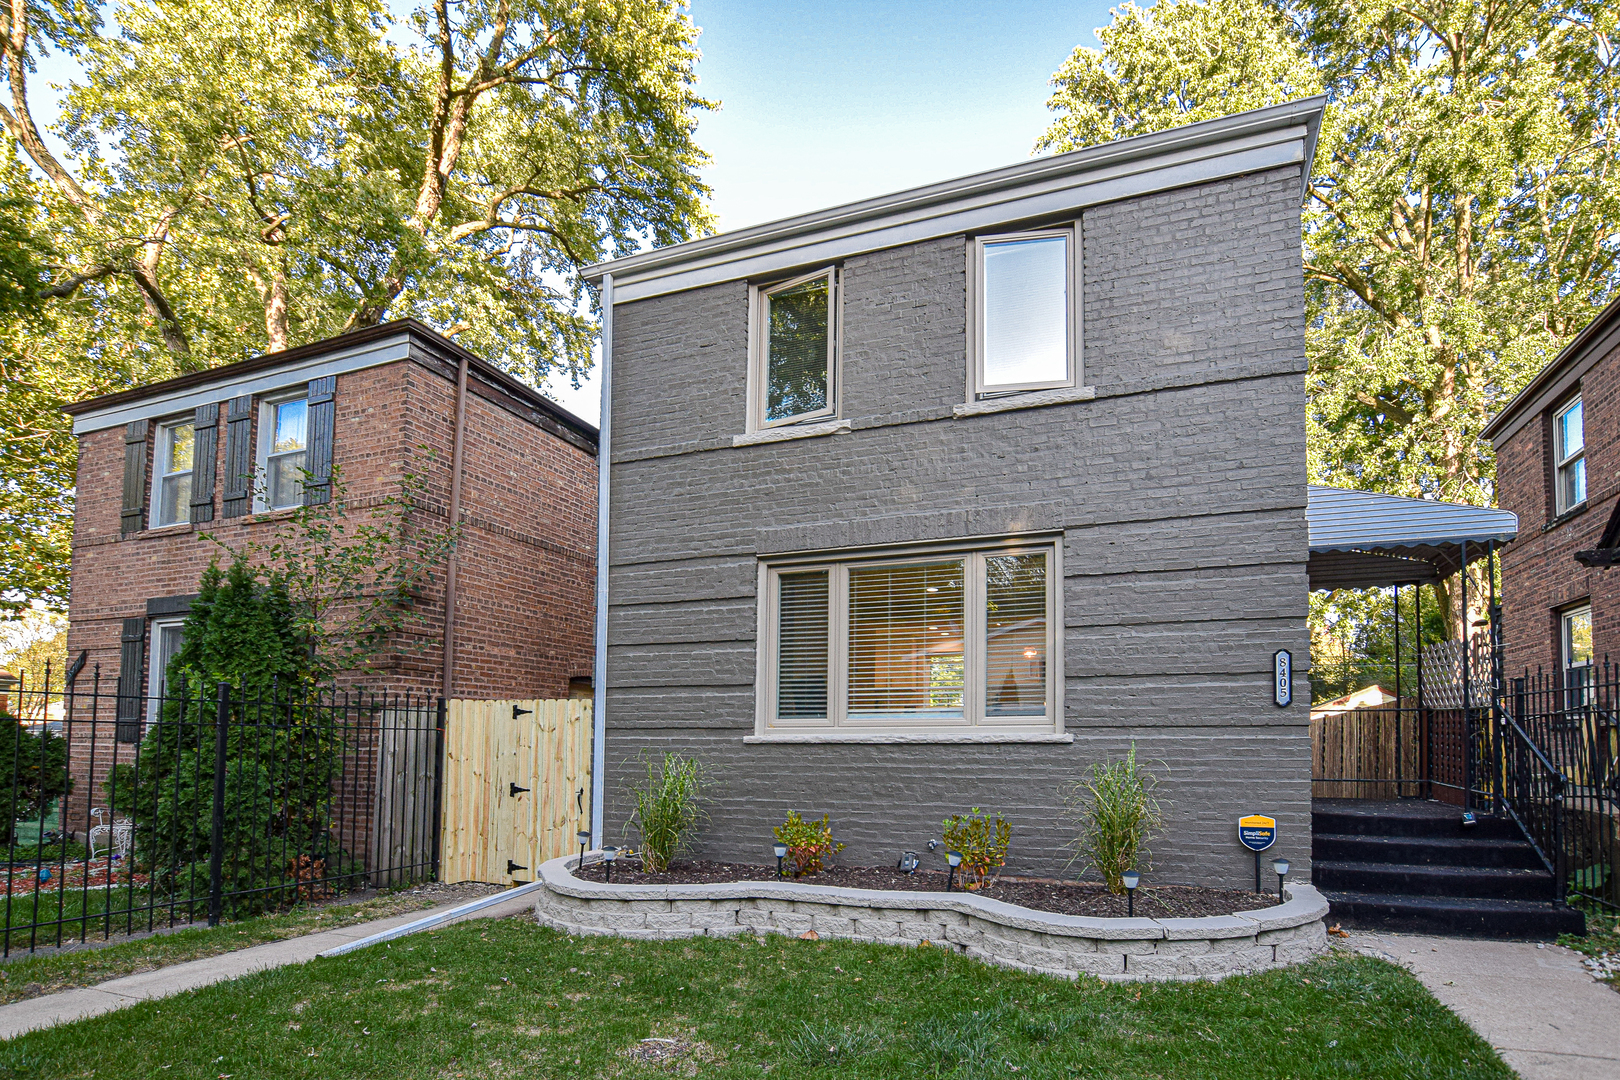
{"points": [[512, 867], [515, 789]]}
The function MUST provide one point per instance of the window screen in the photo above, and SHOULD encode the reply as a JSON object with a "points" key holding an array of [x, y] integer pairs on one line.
{"points": [[1025, 311], [798, 367], [801, 650]]}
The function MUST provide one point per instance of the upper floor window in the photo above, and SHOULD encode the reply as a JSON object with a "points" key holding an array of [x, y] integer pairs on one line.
{"points": [[171, 489], [793, 362], [930, 642], [283, 445], [1023, 328], [1569, 438]]}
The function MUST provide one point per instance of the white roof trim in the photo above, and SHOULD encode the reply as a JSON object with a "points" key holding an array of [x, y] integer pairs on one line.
{"points": [[1196, 153], [372, 354]]}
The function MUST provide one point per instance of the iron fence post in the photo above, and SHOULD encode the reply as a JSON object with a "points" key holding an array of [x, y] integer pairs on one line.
{"points": [[438, 788], [216, 839]]}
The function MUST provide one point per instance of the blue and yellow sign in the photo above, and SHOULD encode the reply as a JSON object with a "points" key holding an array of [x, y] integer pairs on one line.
{"points": [[1257, 832]]}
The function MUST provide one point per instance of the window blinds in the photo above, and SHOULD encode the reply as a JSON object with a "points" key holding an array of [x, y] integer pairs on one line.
{"points": [[801, 651], [905, 641]]}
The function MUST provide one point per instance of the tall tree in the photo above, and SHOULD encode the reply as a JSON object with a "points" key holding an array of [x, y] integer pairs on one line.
{"points": [[1463, 213], [236, 176]]}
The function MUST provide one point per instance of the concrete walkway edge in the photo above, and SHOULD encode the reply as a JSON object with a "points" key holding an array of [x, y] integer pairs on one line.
{"points": [[509, 902]]}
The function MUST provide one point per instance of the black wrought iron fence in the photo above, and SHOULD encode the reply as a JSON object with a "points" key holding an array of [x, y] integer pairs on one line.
{"points": [[122, 814]]}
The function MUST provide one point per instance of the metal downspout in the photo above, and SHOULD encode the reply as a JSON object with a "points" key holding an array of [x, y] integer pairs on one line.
{"points": [[456, 447], [599, 668]]}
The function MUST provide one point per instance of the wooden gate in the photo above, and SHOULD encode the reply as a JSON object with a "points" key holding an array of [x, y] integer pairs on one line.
{"points": [[515, 776]]}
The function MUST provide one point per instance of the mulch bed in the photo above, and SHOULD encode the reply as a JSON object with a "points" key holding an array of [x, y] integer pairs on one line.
{"points": [[1061, 897]]}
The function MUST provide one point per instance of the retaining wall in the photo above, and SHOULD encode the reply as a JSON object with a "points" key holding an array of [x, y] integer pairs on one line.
{"points": [[976, 926]]}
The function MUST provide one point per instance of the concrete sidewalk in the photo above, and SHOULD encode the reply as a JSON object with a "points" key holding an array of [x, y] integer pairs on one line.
{"points": [[1540, 1009], [52, 1009]]}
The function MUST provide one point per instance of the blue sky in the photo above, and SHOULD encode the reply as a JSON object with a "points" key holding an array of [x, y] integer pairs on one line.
{"points": [[828, 102]]}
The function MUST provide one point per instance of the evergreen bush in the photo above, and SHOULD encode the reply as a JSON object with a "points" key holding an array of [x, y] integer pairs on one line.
{"points": [[33, 773]]}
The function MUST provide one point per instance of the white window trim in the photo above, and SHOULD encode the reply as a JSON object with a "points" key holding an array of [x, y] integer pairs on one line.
{"points": [[154, 675], [154, 515], [977, 389], [759, 343], [1564, 649], [266, 435], [1563, 462], [974, 726]]}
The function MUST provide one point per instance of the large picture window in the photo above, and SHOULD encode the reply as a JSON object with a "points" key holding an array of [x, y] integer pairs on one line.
{"points": [[945, 640], [794, 351], [1570, 436], [1024, 328]]}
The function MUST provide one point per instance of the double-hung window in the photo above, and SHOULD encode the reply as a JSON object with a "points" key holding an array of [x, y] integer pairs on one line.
{"points": [[165, 643], [1569, 438], [1023, 326], [171, 488], [1575, 647], [283, 448], [793, 351], [937, 641]]}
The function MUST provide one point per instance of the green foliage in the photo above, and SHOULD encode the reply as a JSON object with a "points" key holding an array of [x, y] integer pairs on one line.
{"points": [[982, 841], [667, 808], [1462, 211], [246, 176], [282, 750], [809, 843], [1117, 817], [830, 1045], [1353, 639], [350, 579], [33, 772]]}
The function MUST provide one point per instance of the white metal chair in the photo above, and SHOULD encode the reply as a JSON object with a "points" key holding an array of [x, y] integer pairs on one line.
{"points": [[115, 836]]}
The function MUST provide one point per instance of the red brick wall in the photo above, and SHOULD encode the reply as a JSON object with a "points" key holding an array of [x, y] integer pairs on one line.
{"points": [[525, 611], [1539, 573]]}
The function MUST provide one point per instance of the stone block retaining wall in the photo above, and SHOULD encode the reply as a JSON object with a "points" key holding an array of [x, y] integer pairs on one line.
{"points": [[985, 929]]}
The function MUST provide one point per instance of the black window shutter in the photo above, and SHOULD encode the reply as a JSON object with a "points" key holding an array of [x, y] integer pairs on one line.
{"points": [[131, 673], [239, 457], [206, 425], [133, 518], [322, 420]]}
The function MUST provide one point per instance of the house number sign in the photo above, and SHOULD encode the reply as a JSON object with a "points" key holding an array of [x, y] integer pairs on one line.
{"points": [[1282, 670]]}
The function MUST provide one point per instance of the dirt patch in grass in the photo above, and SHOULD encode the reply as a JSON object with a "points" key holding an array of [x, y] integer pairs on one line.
{"points": [[1061, 897]]}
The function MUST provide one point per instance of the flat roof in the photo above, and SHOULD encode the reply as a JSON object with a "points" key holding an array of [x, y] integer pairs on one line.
{"points": [[1366, 539], [1042, 188]]}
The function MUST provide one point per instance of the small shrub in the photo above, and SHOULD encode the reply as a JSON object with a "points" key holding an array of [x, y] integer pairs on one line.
{"points": [[982, 840], [1117, 816], [808, 842], [829, 1045], [667, 808]]}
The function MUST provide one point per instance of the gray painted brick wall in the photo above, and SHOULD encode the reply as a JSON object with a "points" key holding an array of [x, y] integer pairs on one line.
{"points": [[1180, 492]]}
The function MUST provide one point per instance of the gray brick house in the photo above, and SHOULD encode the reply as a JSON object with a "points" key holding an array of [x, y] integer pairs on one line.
{"points": [[929, 501]]}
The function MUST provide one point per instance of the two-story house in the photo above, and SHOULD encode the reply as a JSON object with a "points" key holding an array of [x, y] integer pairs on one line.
{"points": [[1558, 468], [934, 500], [234, 449]]}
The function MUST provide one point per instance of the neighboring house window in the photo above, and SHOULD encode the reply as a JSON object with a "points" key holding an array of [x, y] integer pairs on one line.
{"points": [[1576, 645], [283, 446], [1023, 332], [793, 354], [171, 489], [1569, 434], [165, 638], [935, 641]]}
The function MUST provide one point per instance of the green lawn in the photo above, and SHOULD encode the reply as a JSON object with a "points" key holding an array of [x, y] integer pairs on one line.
{"points": [[510, 999]]}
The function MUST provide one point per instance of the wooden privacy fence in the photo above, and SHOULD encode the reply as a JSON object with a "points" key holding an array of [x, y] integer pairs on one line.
{"points": [[516, 774]]}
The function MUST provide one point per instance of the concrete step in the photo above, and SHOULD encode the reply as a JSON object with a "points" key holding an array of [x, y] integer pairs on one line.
{"points": [[1417, 879], [1465, 850], [1522, 919]]}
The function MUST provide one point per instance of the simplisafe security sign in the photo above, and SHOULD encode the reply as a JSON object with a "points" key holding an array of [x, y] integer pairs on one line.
{"points": [[1282, 668], [1257, 832]]}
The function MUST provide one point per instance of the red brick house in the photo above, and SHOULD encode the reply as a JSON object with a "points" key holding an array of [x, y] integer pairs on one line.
{"points": [[227, 451], [1558, 467]]}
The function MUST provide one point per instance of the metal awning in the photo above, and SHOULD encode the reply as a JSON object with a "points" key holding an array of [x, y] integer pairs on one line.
{"points": [[1365, 540]]}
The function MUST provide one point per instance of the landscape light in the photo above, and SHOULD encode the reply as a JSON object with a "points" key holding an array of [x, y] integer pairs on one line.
{"points": [[781, 853], [584, 839], [954, 858], [1132, 879], [609, 854], [1280, 868]]}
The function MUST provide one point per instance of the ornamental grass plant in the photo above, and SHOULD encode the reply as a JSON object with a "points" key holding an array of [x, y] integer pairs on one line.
{"points": [[667, 808], [1117, 817]]}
